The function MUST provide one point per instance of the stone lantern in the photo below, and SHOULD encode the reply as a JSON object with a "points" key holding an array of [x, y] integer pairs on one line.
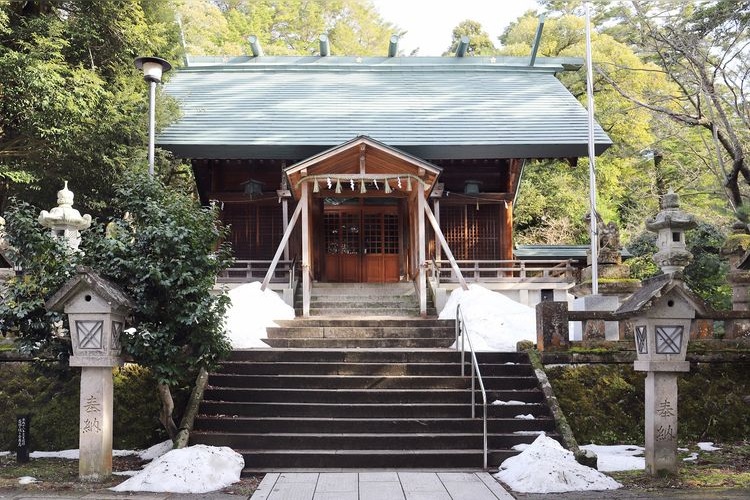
{"points": [[670, 225], [661, 313], [97, 310], [64, 220]]}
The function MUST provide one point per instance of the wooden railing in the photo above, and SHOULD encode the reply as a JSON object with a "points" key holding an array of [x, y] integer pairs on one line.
{"points": [[245, 271], [505, 270]]}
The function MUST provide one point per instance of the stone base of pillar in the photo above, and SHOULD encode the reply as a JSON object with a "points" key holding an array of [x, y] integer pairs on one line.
{"points": [[95, 426], [661, 423]]}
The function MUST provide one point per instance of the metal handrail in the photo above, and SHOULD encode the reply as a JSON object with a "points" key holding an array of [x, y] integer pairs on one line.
{"points": [[464, 333]]}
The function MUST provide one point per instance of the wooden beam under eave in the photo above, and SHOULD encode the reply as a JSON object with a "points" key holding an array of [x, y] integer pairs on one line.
{"points": [[515, 173]]}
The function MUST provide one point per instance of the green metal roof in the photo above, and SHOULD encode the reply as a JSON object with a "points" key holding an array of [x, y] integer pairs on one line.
{"points": [[433, 108], [555, 252]]}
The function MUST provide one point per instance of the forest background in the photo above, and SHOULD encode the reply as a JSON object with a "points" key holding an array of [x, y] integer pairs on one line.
{"points": [[670, 86]]}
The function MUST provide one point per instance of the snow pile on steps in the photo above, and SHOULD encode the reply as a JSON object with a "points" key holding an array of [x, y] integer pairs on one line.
{"points": [[251, 311], [494, 322]]}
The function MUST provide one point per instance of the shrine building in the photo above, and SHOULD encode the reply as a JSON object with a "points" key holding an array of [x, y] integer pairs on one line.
{"points": [[376, 169]]}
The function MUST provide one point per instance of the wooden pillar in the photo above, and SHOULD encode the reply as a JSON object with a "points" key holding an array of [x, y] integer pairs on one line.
{"points": [[285, 224], [506, 244], [305, 202], [421, 250], [438, 247]]}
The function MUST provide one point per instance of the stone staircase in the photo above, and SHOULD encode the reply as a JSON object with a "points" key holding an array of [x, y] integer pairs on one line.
{"points": [[363, 300], [355, 408], [337, 392]]}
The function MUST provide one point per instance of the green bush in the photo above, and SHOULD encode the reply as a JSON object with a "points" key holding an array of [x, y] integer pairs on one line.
{"points": [[604, 403], [53, 403]]}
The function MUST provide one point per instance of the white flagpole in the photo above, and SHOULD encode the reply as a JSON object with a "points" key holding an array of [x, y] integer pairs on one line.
{"points": [[592, 160]]}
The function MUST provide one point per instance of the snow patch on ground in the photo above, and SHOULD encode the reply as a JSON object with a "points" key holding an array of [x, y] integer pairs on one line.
{"points": [[494, 322], [707, 446], [499, 402], [196, 469], [67, 454], [692, 458], [26, 480], [251, 311], [73, 454], [617, 457], [528, 416], [546, 467]]}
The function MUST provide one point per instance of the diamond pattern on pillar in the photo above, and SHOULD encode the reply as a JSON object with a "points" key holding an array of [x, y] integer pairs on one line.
{"points": [[89, 334], [640, 339], [668, 339]]}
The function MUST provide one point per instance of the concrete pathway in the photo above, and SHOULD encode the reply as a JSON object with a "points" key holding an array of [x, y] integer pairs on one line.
{"points": [[380, 486]]}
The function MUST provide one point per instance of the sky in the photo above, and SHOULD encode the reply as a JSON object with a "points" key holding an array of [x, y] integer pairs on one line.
{"points": [[429, 23]]}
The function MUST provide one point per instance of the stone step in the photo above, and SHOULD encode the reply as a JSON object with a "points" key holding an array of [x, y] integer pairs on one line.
{"points": [[329, 411], [272, 425], [367, 323], [363, 288], [348, 304], [354, 396], [385, 369], [361, 441], [370, 459], [216, 381], [364, 311], [444, 356], [365, 343], [359, 332]]}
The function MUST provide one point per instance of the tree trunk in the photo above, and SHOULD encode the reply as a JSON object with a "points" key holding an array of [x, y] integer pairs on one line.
{"points": [[167, 408], [186, 425]]}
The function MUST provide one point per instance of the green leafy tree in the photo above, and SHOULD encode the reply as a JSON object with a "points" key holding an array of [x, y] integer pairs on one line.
{"points": [[629, 180], [284, 27], [70, 99], [480, 43], [166, 254], [47, 265], [162, 249]]}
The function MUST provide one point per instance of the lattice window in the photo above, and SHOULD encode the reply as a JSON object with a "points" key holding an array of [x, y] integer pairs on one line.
{"points": [[472, 234], [342, 233], [256, 230], [373, 230], [390, 234]]}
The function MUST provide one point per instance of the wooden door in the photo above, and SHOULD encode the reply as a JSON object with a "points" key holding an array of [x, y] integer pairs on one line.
{"points": [[361, 244]]}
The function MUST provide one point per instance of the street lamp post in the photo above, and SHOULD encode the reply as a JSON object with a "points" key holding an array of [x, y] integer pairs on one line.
{"points": [[153, 68]]}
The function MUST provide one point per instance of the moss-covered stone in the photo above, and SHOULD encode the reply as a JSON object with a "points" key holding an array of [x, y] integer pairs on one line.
{"points": [[736, 244], [52, 400], [604, 403]]}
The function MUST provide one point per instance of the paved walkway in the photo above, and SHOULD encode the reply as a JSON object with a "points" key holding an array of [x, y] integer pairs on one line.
{"points": [[380, 486]]}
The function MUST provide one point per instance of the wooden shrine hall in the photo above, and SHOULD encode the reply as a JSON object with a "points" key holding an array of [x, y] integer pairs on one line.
{"points": [[384, 169]]}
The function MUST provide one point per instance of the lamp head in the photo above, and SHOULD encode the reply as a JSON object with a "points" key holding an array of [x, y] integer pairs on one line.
{"points": [[153, 67]]}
